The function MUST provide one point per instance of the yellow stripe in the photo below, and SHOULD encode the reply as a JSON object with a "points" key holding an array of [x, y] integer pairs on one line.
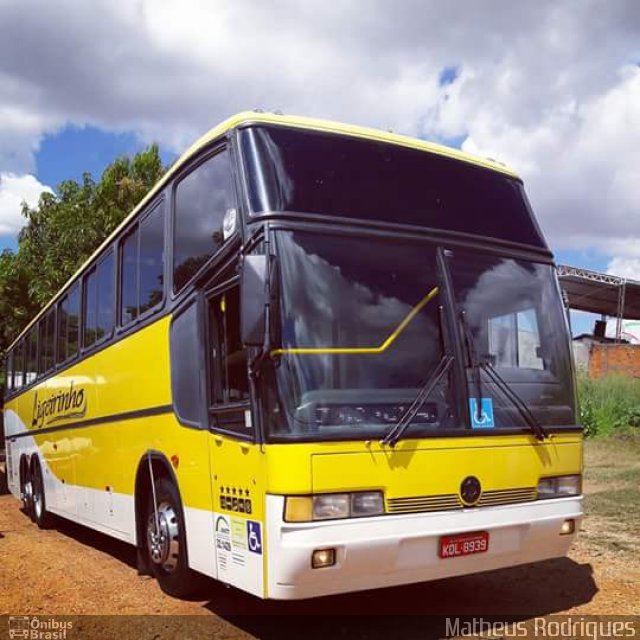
{"points": [[305, 351]]}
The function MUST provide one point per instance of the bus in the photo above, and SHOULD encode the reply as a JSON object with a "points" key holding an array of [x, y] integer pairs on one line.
{"points": [[315, 359]]}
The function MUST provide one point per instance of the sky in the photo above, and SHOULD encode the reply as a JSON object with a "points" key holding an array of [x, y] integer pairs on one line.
{"points": [[550, 87]]}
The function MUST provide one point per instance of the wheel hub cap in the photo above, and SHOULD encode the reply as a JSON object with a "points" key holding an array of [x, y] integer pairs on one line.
{"points": [[162, 537]]}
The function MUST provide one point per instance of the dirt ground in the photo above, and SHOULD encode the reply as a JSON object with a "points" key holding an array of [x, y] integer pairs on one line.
{"points": [[70, 570]]}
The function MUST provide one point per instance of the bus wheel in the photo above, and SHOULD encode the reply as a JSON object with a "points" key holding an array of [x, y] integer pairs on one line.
{"points": [[39, 512], [26, 493], [166, 541]]}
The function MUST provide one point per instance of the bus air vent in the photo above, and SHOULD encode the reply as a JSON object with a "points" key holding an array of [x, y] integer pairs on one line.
{"points": [[449, 501]]}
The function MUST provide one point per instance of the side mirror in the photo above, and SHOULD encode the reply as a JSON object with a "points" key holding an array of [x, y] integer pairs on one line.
{"points": [[253, 300]]}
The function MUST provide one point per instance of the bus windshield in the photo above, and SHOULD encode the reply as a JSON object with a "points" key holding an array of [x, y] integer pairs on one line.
{"points": [[359, 324], [512, 322], [359, 330], [348, 177]]}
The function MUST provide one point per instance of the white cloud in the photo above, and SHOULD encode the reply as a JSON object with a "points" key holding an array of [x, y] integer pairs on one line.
{"points": [[551, 86], [625, 268], [14, 190], [580, 162]]}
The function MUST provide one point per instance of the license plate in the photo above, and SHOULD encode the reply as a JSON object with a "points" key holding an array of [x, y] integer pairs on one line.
{"points": [[464, 544]]}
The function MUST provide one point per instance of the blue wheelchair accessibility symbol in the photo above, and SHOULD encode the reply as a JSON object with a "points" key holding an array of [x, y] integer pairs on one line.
{"points": [[485, 419], [254, 538]]}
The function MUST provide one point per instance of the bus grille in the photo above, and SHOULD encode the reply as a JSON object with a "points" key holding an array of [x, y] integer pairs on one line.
{"points": [[449, 501]]}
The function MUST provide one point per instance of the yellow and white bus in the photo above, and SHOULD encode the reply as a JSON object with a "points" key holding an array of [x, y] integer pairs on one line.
{"points": [[316, 358]]}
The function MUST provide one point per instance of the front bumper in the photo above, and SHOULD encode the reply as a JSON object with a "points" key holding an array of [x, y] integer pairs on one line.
{"points": [[401, 549]]}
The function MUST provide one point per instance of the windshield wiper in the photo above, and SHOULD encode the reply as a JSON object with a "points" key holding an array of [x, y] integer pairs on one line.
{"points": [[425, 391], [474, 361], [517, 401]]}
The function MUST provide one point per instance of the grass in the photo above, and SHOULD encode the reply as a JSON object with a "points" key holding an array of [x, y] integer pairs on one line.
{"points": [[612, 494], [609, 405]]}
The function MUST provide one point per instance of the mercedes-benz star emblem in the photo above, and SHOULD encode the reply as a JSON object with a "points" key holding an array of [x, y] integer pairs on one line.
{"points": [[470, 490]]}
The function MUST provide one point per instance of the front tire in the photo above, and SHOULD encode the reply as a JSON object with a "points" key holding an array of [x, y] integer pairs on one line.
{"points": [[165, 542]]}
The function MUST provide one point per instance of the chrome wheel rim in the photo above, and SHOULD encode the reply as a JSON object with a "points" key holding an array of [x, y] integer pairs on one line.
{"points": [[27, 494], [162, 537], [37, 496]]}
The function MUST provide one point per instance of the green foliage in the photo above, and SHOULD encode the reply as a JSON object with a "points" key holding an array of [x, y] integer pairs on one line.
{"points": [[608, 405], [63, 230]]}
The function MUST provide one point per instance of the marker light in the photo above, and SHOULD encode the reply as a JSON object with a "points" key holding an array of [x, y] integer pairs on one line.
{"points": [[323, 558]]}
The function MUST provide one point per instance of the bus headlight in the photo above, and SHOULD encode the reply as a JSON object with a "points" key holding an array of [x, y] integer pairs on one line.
{"points": [[369, 503], [333, 506], [559, 487]]}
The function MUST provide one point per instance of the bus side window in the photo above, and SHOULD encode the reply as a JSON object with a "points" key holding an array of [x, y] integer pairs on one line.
{"points": [[68, 324], [18, 366], [9, 372], [202, 199], [229, 376], [46, 329], [142, 267], [31, 367]]}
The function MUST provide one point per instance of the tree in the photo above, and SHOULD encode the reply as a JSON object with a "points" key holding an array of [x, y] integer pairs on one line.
{"points": [[63, 230]]}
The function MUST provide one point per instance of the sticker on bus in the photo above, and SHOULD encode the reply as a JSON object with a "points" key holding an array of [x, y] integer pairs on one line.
{"points": [[482, 419], [254, 536], [239, 549]]}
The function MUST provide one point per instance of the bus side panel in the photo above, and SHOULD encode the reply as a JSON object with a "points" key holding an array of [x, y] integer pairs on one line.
{"points": [[239, 485], [123, 413], [11, 427], [133, 381]]}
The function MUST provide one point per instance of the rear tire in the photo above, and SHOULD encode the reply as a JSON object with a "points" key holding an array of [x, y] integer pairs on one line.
{"points": [[39, 513], [26, 488], [166, 549]]}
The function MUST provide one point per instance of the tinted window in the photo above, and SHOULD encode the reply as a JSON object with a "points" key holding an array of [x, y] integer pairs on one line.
{"points": [[129, 278], [312, 172], [32, 355], [99, 301], [186, 352], [18, 366], [106, 296], [360, 332], [142, 279], [68, 324], [201, 201], [151, 260], [9, 371], [90, 308], [46, 328]]}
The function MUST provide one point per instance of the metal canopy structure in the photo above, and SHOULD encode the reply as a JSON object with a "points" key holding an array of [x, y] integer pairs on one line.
{"points": [[601, 293]]}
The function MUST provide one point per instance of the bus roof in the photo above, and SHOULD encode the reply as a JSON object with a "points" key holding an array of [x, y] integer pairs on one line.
{"points": [[257, 117]]}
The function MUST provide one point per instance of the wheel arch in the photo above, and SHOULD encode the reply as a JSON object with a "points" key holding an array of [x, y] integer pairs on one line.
{"points": [[161, 467]]}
